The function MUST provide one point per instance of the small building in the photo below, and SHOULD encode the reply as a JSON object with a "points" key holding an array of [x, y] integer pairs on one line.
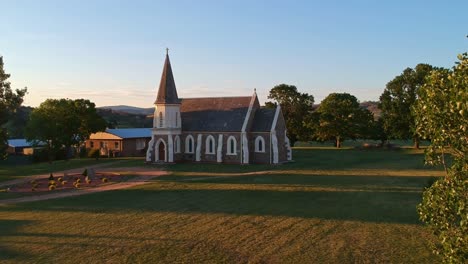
{"points": [[234, 130], [20, 147], [124, 142]]}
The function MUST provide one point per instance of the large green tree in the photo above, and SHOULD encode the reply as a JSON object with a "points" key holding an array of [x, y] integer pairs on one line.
{"points": [[63, 123], [397, 101], [296, 107], [10, 101], [341, 117], [442, 116]]}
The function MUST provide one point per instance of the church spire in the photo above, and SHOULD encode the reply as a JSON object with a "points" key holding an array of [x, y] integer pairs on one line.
{"points": [[167, 93]]}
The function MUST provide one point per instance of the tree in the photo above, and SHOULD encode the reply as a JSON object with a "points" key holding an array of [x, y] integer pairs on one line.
{"points": [[397, 100], [442, 116], [341, 117], [63, 123], [10, 101], [296, 107]]}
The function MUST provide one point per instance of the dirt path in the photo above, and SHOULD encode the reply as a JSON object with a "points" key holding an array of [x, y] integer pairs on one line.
{"points": [[144, 176]]}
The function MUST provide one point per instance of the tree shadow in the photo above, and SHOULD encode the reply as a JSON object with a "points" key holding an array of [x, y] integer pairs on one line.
{"points": [[378, 206], [376, 182], [10, 228]]}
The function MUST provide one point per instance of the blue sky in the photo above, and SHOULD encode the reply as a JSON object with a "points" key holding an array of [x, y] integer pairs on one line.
{"points": [[112, 52]]}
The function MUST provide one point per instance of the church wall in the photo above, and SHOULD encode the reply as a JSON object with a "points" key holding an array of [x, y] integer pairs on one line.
{"points": [[212, 158], [259, 157]]}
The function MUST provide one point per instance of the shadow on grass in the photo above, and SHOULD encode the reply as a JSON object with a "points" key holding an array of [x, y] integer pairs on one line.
{"points": [[10, 228], [408, 183], [367, 206]]}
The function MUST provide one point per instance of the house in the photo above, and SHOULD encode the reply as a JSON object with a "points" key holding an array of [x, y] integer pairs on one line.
{"points": [[215, 129], [20, 147], [120, 142]]}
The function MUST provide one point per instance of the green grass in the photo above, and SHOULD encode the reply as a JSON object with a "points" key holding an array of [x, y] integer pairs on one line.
{"points": [[329, 206]]}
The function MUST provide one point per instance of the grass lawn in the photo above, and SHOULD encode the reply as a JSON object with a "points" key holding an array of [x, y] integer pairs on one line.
{"points": [[330, 206]]}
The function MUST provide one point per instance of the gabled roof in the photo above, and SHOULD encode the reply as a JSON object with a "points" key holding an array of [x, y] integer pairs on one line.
{"points": [[263, 120], [130, 132], [216, 114], [167, 93], [18, 143]]}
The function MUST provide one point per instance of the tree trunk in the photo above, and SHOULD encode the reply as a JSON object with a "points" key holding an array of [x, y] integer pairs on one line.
{"points": [[416, 143], [338, 142]]}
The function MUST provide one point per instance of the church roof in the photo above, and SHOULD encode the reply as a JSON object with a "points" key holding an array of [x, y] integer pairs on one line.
{"points": [[167, 93], [263, 120], [221, 114]]}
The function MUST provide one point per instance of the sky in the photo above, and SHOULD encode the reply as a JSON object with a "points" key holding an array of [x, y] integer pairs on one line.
{"points": [[112, 52]]}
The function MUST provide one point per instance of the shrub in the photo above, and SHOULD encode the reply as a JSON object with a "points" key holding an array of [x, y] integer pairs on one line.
{"points": [[64, 182], [104, 180], [51, 177], [52, 182], [51, 187], [83, 152], [85, 172], [59, 179], [94, 153]]}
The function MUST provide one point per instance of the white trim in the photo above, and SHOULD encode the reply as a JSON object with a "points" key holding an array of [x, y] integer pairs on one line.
{"points": [[275, 119], [232, 151], [249, 112], [245, 149], [198, 151], [288, 147], [177, 144], [259, 139], [170, 149], [209, 139], [219, 154], [150, 150], [275, 147], [160, 140], [189, 146]]}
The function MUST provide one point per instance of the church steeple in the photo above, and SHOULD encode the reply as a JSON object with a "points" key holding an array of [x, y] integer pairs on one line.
{"points": [[167, 93]]}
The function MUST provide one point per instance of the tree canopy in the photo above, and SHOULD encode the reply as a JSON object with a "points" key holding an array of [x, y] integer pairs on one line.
{"points": [[10, 101], [63, 123], [397, 101], [442, 116], [296, 107], [340, 117]]}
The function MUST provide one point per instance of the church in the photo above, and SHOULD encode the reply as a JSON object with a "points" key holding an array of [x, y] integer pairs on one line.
{"points": [[233, 130]]}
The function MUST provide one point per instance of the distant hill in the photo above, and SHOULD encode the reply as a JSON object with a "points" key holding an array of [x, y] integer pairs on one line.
{"points": [[123, 119], [373, 107], [129, 109]]}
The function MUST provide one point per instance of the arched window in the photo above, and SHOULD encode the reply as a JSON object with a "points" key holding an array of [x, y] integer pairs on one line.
{"points": [[161, 119], [259, 144], [210, 145], [231, 146], [177, 144], [189, 144]]}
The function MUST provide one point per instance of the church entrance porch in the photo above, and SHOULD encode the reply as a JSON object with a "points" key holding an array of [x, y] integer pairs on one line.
{"points": [[161, 151]]}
